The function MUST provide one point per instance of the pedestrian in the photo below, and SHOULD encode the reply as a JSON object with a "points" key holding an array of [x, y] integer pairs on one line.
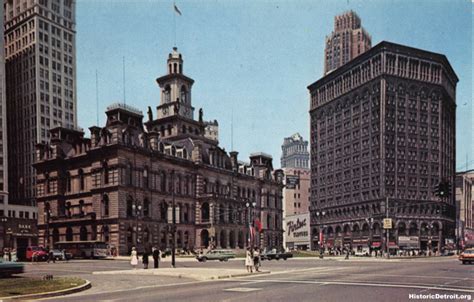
{"points": [[256, 259], [145, 259], [134, 258], [347, 254], [249, 260], [156, 257], [51, 256]]}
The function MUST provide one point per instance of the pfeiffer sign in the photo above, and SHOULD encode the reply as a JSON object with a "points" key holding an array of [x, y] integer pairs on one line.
{"points": [[297, 228]]}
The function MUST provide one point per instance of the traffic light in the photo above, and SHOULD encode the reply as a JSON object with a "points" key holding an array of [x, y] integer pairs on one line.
{"points": [[437, 189], [442, 189], [448, 188]]}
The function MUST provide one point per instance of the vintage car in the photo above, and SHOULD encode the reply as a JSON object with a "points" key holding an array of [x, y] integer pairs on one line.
{"points": [[277, 255], [467, 256], [36, 253], [10, 268], [221, 255]]}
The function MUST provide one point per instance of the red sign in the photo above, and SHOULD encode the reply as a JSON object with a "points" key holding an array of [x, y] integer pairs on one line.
{"points": [[376, 244]]}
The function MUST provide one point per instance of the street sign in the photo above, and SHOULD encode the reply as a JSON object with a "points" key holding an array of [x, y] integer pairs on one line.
{"points": [[387, 223]]}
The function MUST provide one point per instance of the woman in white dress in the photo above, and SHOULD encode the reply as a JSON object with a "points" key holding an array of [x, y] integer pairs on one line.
{"points": [[249, 260], [134, 258]]}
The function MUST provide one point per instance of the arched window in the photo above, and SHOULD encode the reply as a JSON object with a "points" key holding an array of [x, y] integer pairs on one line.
{"points": [[205, 213], [83, 234], [146, 207], [175, 68], [167, 94], [81, 207], [105, 205], [81, 180], [183, 94], [55, 235], [69, 234], [129, 206]]}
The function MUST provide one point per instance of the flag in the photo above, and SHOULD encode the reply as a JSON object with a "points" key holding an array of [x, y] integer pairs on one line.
{"points": [[176, 9], [258, 225], [252, 234]]}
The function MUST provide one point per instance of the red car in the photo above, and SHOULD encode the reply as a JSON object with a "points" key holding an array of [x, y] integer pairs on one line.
{"points": [[38, 252]]}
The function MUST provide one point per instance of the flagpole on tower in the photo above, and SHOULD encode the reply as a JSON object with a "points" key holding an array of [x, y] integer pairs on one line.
{"points": [[174, 21]]}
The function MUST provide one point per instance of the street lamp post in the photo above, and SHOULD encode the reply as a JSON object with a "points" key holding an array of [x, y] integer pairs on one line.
{"points": [[137, 208], [173, 227], [321, 234], [250, 207], [47, 216]]}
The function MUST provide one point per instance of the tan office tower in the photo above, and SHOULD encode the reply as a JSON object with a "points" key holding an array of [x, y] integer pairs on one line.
{"points": [[348, 40], [40, 82]]}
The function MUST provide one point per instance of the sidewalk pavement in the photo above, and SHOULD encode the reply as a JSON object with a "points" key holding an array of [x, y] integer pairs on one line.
{"points": [[184, 272]]}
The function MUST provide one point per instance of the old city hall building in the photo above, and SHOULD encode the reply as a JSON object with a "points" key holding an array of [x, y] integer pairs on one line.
{"points": [[383, 129], [119, 185]]}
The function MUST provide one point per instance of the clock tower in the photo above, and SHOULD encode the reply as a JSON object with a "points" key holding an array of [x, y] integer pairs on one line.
{"points": [[175, 114], [175, 89]]}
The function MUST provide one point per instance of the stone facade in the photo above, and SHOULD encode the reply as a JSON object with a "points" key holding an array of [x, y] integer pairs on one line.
{"points": [[119, 185], [383, 128]]}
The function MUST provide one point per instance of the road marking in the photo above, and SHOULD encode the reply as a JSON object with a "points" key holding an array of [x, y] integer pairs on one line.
{"points": [[429, 287], [241, 289]]}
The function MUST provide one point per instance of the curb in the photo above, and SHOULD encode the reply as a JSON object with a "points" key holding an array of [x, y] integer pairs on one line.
{"points": [[62, 292]]}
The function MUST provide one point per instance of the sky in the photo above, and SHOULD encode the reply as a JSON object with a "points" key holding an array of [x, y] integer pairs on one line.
{"points": [[253, 59]]}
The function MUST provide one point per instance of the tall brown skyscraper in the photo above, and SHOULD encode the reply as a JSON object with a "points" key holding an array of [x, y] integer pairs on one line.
{"points": [[40, 82], [382, 138], [348, 40]]}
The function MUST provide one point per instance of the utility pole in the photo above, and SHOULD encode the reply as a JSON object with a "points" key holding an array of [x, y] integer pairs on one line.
{"points": [[173, 227], [387, 231]]}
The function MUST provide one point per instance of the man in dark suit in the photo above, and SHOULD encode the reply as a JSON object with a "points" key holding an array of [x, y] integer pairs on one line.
{"points": [[156, 257]]}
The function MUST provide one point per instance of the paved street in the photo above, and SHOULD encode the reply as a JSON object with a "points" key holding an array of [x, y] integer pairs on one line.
{"points": [[358, 279]]}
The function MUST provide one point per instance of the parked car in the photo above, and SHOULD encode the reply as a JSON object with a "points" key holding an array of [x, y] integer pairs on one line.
{"points": [[277, 255], [59, 254], [10, 268], [38, 251], [221, 255], [467, 256]]}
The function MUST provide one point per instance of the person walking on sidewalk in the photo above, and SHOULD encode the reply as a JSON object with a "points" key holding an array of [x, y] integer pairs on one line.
{"points": [[256, 259], [249, 260], [156, 257], [134, 258], [145, 259], [51, 256]]}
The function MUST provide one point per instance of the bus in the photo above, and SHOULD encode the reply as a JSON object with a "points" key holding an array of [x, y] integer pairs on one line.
{"points": [[84, 249]]}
